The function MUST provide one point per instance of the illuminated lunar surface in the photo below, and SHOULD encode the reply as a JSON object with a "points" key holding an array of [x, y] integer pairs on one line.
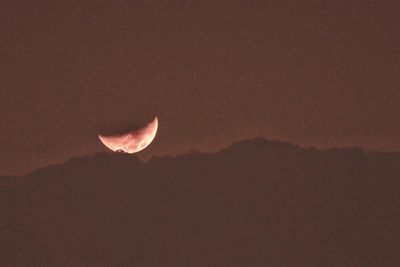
{"points": [[133, 141]]}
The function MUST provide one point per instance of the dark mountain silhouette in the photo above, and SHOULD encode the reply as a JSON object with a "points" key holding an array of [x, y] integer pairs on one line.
{"points": [[256, 203]]}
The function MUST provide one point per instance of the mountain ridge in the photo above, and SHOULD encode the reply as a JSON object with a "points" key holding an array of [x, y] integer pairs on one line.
{"points": [[255, 203], [259, 141]]}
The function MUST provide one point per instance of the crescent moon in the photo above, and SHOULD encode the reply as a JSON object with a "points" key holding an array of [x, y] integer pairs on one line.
{"points": [[133, 141]]}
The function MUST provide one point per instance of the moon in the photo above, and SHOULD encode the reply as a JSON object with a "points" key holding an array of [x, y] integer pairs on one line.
{"points": [[133, 141]]}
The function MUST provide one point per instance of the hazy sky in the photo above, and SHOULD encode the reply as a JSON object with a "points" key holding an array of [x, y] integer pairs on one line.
{"points": [[322, 73]]}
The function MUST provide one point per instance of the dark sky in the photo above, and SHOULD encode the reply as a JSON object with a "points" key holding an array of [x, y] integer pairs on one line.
{"points": [[321, 73]]}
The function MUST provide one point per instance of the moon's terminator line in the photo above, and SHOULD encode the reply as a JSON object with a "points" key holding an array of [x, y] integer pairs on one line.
{"points": [[133, 141]]}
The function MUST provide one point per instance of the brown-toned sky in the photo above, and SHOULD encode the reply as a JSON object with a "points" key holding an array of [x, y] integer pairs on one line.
{"points": [[322, 73]]}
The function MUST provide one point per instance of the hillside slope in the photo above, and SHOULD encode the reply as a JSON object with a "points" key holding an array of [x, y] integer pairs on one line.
{"points": [[256, 203]]}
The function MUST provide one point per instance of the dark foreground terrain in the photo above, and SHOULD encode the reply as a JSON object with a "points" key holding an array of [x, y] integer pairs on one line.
{"points": [[257, 203]]}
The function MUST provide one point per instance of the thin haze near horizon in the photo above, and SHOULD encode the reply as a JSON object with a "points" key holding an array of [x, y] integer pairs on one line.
{"points": [[321, 73]]}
